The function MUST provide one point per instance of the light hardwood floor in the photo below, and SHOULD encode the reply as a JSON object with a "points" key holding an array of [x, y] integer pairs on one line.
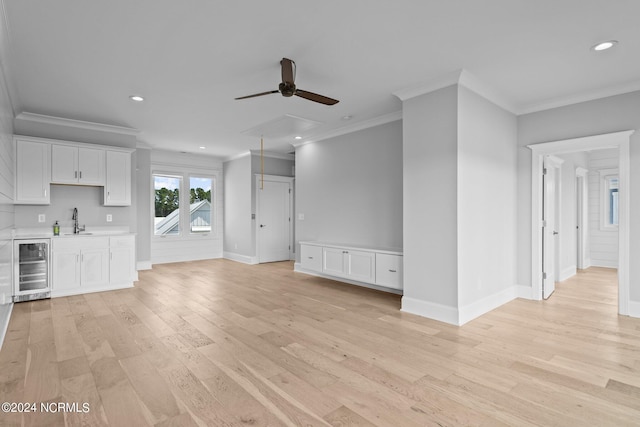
{"points": [[219, 343]]}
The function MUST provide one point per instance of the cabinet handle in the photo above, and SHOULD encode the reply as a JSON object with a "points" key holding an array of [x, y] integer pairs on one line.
{"points": [[80, 174], [393, 271], [310, 257], [75, 174]]}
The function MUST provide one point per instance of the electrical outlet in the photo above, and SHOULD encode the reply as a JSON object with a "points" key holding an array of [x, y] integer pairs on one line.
{"points": [[300, 217], [109, 218], [41, 218]]}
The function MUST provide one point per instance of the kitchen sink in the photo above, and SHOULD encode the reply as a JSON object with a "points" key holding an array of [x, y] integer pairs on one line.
{"points": [[78, 234]]}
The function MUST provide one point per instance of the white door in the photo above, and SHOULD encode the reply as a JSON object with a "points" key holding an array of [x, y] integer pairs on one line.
{"points": [[94, 267], [274, 238], [550, 232]]}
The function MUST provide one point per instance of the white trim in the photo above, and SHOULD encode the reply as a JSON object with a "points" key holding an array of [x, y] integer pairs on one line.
{"points": [[274, 178], [297, 267], [567, 273], [423, 88], [612, 140], [582, 249], [88, 290], [604, 176], [485, 305], [442, 313], [357, 126], [79, 124], [603, 263], [236, 156], [5, 317], [273, 155], [240, 258], [144, 265], [583, 97], [167, 259], [524, 292]]}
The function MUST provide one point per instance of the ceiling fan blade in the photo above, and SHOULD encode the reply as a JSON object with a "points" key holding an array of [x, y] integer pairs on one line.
{"points": [[288, 70], [259, 94], [315, 97]]}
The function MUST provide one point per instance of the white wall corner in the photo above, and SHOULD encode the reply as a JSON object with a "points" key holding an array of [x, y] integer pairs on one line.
{"points": [[485, 305], [567, 273], [524, 292], [144, 265], [429, 86], [240, 258], [430, 310], [634, 308], [5, 316]]}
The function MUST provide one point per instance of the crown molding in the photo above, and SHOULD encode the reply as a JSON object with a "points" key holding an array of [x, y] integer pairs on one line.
{"points": [[354, 127], [237, 156], [273, 155], [476, 85], [79, 124], [563, 101], [429, 86]]}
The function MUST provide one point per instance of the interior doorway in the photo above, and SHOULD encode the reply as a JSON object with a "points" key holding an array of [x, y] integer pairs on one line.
{"points": [[273, 218], [542, 151], [582, 235]]}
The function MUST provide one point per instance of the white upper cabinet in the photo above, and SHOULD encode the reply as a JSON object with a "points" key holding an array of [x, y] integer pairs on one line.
{"points": [[33, 173], [117, 189], [77, 165]]}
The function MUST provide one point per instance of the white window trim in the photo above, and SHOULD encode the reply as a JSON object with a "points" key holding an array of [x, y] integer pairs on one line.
{"points": [[605, 176], [184, 173]]}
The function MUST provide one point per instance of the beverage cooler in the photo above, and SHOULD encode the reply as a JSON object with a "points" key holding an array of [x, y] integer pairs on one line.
{"points": [[31, 274]]}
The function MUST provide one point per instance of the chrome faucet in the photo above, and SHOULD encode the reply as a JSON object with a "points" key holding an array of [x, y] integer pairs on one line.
{"points": [[76, 228]]}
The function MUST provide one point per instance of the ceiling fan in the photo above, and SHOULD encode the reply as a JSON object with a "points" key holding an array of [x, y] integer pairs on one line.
{"points": [[288, 88]]}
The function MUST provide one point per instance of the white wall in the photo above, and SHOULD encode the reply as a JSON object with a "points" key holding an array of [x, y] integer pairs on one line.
{"points": [[6, 189], [187, 247], [601, 116], [430, 203], [144, 212], [568, 238], [238, 225], [486, 203], [603, 243], [349, 188]]}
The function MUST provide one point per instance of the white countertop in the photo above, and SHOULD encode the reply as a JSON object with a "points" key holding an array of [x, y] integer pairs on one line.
{"points": [[389, 250], [47, 233]]}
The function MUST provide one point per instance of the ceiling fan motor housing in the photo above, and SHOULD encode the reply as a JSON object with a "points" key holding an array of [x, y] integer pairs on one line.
{"points": [[287, 89]]}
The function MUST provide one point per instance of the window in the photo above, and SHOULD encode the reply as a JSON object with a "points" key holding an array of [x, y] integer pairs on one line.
{"points": [[167, 205], [609, 204], [200, 204]]}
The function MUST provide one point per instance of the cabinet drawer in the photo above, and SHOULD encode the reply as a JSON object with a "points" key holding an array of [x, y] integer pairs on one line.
{"points": [[311, 257], [121, 242], [389, 270], [70, 243]]}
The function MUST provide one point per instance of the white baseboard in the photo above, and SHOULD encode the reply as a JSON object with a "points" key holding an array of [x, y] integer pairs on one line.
{"points": [[78, 291], [430, 310], [604, 263], [184, 258], [486, 304], [634, 308], [567, 273], [144, 265], [5, 316], [298, 269], [525, 292], [240, 258]]}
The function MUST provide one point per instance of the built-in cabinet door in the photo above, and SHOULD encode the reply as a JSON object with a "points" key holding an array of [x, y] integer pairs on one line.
{"points": [[389, 270], [117, 190], [333, 261], [122, 259], [94, 267], [33, 173], [311, 257], [64, 164], [65, 269], [91, 166], [360, 265]]}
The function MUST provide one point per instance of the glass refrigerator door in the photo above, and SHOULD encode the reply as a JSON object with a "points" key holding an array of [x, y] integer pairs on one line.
{"points": [[32, 266]]}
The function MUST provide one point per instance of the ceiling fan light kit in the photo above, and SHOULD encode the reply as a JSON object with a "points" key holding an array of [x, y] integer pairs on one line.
{"points": [[288, 87]]}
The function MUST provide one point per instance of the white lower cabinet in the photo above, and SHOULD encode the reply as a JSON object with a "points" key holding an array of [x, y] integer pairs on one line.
{"points": [[370, 266], [89, 264]]}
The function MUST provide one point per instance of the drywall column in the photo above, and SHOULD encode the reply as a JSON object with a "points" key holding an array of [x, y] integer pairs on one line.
{"points": [[143, 208], [430, 204]]}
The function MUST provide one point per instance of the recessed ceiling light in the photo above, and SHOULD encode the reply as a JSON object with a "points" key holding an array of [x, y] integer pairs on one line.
{"points": [[298, 137], [604, 45], [202, 147], [347, 117], [136, 98]]}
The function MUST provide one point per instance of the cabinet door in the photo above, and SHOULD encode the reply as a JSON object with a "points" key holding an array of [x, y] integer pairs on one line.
{"points": [[122, 260], [333, 261], [94, 267], [311, 257], [64, 164], [360, 265], [91, 166], [65, 269], [117, 190], [389, 270], [33, 173]]}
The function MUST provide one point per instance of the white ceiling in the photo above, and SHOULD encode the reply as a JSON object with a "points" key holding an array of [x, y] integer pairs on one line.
{"points": [[81, 60]]}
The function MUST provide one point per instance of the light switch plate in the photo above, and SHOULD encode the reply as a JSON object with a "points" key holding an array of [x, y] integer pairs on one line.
{"points": [[300, 217], [109, 218], [41, 218]]}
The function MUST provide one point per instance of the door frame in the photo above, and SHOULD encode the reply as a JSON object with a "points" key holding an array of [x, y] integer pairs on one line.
{"points": [[582, 221], [258, 182], [618, 140], [553, 162]]}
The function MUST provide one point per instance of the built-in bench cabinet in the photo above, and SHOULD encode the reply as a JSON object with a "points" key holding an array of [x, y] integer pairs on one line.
{"points": [[41, 162], [381, 267], [91, 264]]}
